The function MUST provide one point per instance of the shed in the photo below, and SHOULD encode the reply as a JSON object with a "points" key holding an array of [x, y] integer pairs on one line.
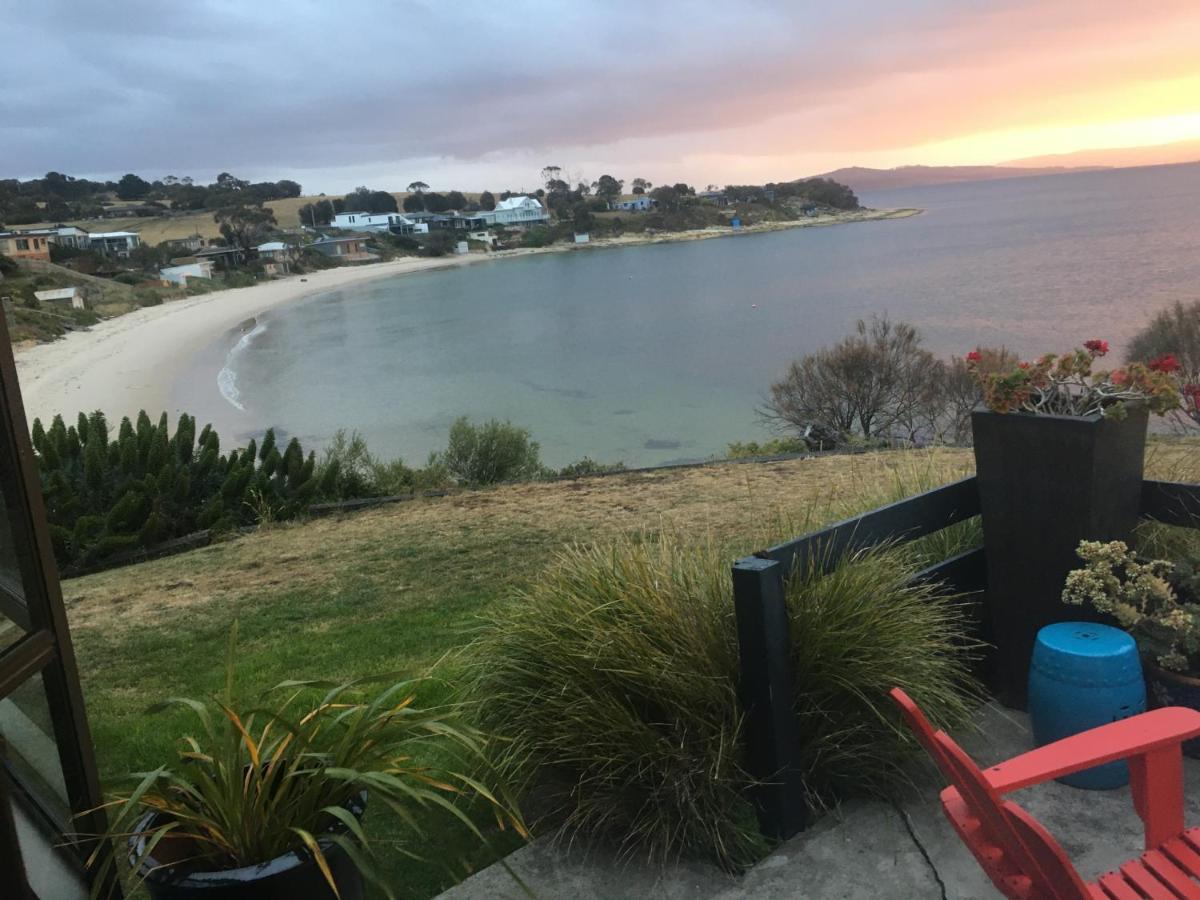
{"points": [[68, 296]]}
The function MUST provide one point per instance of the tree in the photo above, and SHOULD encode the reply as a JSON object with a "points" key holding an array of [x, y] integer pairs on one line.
{"points": [[878, 383], [418, 187], [551, 173], [641, 185], [319, 213], [436, 203], [131, 187], [414, 203], [368, 201], [456, 200], [487, 201], [608, 188], [825, 191], [245, 226], [287, 188], [582, 220]]}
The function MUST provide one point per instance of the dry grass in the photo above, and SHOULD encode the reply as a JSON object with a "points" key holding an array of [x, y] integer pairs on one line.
{"points": [[723, 499]]}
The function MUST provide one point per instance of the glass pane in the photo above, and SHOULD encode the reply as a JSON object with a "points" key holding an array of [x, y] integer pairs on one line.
{"points": [[32, 753], [48, 873], [10, 631]]}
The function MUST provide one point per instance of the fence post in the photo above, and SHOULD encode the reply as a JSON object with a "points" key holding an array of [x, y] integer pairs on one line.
{"points": [[765, 689]]}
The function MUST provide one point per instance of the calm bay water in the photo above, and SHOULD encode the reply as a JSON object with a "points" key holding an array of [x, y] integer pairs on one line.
{"points": [[661, 353]]}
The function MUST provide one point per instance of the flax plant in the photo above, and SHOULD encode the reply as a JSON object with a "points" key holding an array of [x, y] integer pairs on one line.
{"points": [[289, 775]]}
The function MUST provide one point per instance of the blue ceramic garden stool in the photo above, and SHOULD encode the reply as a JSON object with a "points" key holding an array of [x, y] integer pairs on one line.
{"points": [[1083, 675]]}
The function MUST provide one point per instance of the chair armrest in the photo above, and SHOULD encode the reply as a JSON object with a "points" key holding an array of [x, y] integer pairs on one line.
{"points": [[1133, 737]]}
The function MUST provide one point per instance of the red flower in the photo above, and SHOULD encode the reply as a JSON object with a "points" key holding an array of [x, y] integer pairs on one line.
{"points": [[1192, 391], [1166, 364], [1118, 377], [1023, 366], [1096, 347], [974, 356]]}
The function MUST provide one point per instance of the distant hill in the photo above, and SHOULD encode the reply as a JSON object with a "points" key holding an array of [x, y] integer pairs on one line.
{"points": [[1157, 155], [863, 179]]}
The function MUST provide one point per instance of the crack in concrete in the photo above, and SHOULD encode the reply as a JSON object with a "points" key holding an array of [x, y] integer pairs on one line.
{"points": [[908, 826]]}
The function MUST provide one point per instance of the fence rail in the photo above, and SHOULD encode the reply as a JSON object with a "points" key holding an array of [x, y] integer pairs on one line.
{"points": [[766, 686]]}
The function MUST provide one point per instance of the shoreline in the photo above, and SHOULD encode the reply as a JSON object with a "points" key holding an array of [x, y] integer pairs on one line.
{"points": [[131, 362]]}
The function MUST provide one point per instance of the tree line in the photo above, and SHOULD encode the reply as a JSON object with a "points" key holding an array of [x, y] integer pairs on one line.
{"points": [[58, 197]]}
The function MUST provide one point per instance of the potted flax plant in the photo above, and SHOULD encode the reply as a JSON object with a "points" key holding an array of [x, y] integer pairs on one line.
{"points": [[267, 802], [1059, 454]]}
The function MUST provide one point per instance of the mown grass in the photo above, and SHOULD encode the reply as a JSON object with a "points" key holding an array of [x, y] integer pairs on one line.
{"points": [[397, 588]]}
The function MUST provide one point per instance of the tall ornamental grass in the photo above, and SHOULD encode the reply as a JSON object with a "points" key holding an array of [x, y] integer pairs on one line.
{"points": [[614, 678]]}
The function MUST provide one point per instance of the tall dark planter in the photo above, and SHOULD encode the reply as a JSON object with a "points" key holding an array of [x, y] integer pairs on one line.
{"points": [[1045, 484]]}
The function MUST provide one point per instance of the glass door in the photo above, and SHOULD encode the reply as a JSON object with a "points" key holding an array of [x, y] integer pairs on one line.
{"points": [[49, 780]]}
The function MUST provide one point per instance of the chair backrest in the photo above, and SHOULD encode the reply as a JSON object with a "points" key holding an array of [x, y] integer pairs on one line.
{"points": [[1047, 853], [997, 825]]}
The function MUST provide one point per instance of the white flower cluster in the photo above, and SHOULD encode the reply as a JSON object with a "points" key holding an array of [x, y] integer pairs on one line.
{"points": [[1137, 594]]}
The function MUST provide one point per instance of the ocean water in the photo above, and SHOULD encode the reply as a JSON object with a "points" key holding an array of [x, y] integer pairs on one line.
{"points": [[662, 353]]}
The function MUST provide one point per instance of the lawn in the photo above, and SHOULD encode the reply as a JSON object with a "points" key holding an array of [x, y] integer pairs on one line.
{"points": [[399, 588]]}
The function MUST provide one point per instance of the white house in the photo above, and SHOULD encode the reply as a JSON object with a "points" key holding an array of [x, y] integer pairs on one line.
{"points": [[634, 203], [393, 222], [114, 243], [516, 211], [180, 274]]}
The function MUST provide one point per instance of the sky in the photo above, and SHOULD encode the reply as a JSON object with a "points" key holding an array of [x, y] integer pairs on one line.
{"points": [[475, 95]]}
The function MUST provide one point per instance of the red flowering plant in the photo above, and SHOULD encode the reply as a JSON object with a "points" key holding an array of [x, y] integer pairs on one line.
{"points": [[1072, 385]]}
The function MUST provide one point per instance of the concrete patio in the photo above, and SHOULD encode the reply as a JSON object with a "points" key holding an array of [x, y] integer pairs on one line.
{"points": [[864, 850]]}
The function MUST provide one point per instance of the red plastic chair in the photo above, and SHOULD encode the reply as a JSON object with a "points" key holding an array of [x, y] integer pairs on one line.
{"points": [[1022, 859]]}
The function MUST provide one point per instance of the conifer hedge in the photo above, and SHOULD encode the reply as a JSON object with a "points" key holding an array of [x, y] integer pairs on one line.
{"points": [[109, 495]]}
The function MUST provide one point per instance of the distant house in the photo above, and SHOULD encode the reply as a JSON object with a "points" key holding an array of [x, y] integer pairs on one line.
{"points": [[114, 243], [192, 242], [68, 296], [25, 246], [276, 257], [180, 274], [521, 210], [735, 223], [582, 237], [220, 258], [350, 249], [717, 197], [392, 222], [61, 235], [484, 237], [634, 203]]}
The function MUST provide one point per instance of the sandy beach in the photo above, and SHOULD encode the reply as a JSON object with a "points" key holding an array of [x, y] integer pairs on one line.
{"points": [[130, 363]]}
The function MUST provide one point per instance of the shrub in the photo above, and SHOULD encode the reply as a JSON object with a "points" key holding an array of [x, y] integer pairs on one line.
{"points": [[774, 447], [490, 453], [614, 677], [1173, 332], [8, 265], [145, 485], [588, 466]]}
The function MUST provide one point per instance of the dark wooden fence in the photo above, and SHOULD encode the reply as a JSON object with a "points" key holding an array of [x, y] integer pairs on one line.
{"points": [[760, 604]]}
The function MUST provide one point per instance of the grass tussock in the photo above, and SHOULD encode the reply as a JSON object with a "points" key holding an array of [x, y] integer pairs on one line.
{"points": [[615, 678]]}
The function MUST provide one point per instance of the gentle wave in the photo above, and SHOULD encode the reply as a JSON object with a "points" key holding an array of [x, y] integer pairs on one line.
{"points": [[227, 377]]}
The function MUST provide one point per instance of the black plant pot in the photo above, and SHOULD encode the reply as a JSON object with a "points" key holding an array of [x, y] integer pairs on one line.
{"points": [[1166, 688], [289, 877], [1045, 484]]}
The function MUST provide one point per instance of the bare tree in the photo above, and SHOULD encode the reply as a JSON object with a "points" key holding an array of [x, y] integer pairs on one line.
{"points": [[878, 383]]}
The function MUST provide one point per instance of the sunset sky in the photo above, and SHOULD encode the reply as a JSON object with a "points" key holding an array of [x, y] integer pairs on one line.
{"points": [[483, 94]]}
